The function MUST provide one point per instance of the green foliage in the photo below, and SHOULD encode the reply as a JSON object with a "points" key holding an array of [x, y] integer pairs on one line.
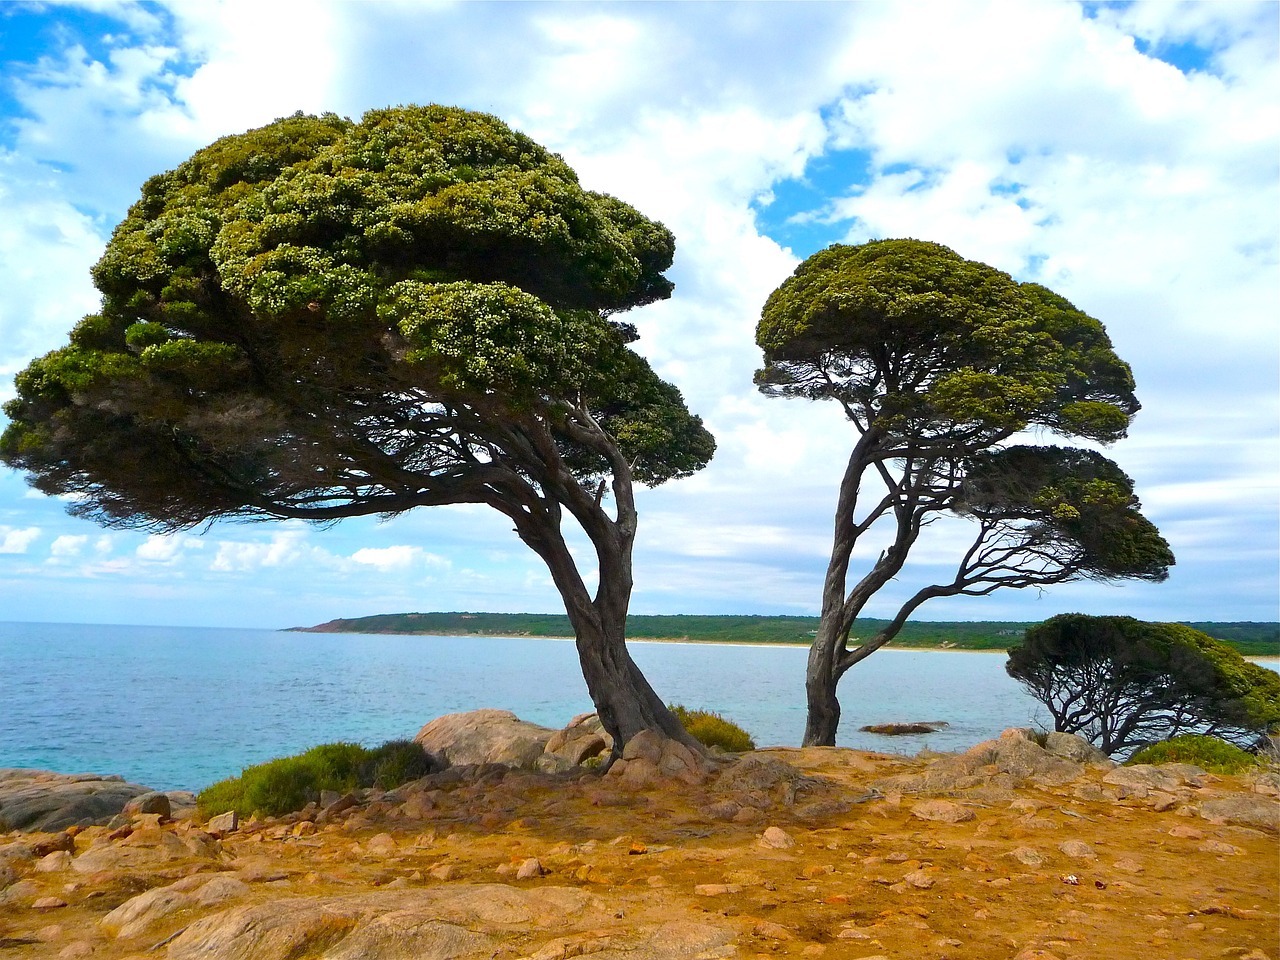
{"points": [[937, 346], [713, 730], [1074, 503], [320, 318], [1208, 753], [289, 783], [396, 762], [1124, 683]]}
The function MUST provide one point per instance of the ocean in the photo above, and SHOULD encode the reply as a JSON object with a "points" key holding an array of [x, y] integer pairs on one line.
{"points": [[178, 708]]}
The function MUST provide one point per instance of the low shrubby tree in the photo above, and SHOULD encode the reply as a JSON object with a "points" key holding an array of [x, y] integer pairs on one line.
{"points": [[1207, 753], [287, 784], [713, 730], [938, 362], [322, 319], [1125, 684]]}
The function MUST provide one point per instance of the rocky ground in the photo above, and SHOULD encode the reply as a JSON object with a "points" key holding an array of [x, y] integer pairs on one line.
{"points": [[1012, 850]]}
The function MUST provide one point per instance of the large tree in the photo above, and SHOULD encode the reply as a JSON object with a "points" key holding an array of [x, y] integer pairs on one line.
{"points": [[939, 362], [1124, 683], [322, 318]]}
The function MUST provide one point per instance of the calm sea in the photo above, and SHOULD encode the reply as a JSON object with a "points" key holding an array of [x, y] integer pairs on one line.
{"points": [[179, 708]]}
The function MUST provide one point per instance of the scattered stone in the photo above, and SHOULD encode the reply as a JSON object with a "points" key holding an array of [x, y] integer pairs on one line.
{"points": [[1078, 850], [716, 889], [918, 879], [55, 862], [154, 802], [382, 845], [224, 823], [772, 931], [942, 811], [775, 838], [1250, 810], [529, 869], [1028, 856], [48, 903], [1221, 848]]}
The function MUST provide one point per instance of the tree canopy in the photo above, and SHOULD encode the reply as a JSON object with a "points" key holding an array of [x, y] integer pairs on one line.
{"points": [[938, 362], [324, 318], [1124, 683]]}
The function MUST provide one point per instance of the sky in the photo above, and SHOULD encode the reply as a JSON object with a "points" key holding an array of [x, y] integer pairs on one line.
{"points": [[1125, 155]]}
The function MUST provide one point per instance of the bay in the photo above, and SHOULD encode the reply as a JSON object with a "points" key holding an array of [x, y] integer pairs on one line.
{"points": [[181, 707]]}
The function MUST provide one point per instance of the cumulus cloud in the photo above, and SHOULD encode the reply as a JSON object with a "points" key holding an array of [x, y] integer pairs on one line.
{"points": [[1061, 142], [399, 557], [67, 546], [282, 549], [14, 540]]}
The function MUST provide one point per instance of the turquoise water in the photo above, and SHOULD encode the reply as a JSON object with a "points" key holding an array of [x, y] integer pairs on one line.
{"points": [[179, 708]]}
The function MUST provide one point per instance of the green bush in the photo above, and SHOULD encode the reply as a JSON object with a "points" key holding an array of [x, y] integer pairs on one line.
{"points": [[713, 730], [289, 783], [397, 762], [1208, 753]]}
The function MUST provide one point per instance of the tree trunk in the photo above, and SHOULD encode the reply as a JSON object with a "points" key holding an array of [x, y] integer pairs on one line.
{"points": [[820, 689], [623, 698]]}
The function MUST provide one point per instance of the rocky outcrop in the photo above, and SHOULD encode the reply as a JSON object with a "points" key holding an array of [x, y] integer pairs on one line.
{"points": [[33, 800], [582, 738], [485, 736], [650, 758], [904, 729], [775, 853], [993, 768]]}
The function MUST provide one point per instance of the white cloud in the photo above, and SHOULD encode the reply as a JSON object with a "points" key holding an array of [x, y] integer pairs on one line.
{"points": [[14, 540], [1037, 137], [282, 549], [67, 546], [166, 548], [398, 557]]}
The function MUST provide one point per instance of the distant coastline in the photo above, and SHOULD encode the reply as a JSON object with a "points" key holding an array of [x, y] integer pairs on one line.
{"points": [[1249, 638]]}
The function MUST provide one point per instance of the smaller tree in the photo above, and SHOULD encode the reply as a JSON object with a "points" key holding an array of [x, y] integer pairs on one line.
{"points": [[1124, 683]]}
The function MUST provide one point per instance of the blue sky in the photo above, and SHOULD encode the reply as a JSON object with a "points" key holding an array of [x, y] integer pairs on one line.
{"points": [[1125, 155]]}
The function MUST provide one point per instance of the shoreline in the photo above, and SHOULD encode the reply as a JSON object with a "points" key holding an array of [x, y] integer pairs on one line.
{"points": [[890, 647], [931, 648]]}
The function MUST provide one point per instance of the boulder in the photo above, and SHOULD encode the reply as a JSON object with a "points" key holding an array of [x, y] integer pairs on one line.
{"points": [[583, 737], [485, 736], [1244, 810], [153, 802], [650, 757], [41, 801], [995, 766], [421, 924]]}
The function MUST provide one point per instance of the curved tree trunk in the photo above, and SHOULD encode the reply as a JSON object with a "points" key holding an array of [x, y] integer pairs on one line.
{"points": [[623, 698], [823, 715]]}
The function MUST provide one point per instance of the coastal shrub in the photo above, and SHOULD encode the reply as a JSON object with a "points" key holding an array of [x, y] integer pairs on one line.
{"points": [[397, 762], [287, 784], [1208, 753], [713, 730]]}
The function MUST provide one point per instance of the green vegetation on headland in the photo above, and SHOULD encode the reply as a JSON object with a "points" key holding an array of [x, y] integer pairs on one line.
{"points": [[1250, 639]]}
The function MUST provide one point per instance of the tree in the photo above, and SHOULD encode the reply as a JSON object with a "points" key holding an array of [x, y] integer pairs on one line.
{"points": [[322, 319], [938, 361], [1124, 683]]}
